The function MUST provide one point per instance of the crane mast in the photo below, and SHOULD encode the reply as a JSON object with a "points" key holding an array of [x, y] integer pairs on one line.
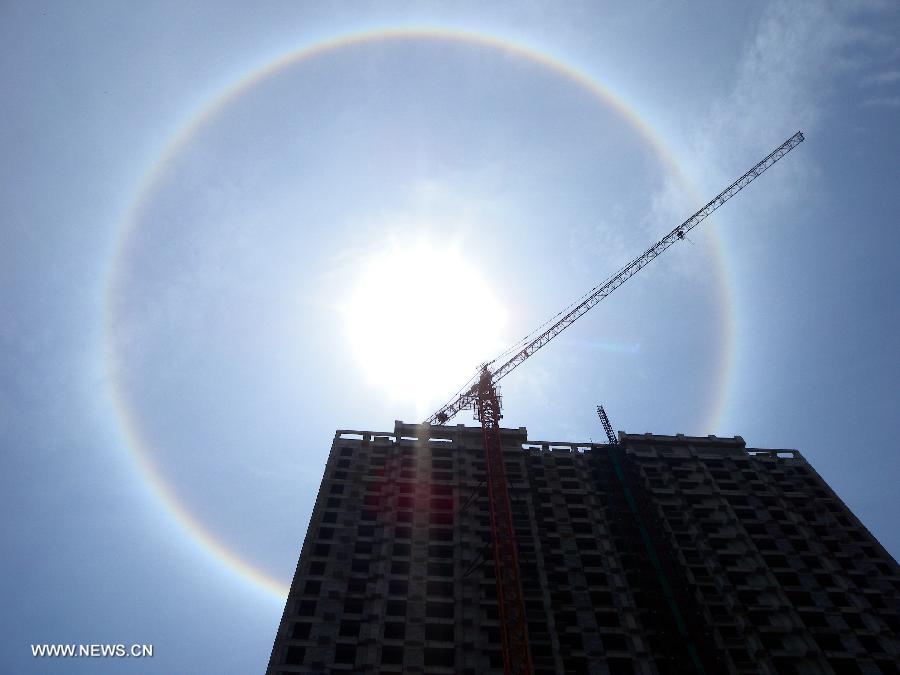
{"points": [[510, 604], [483, 396], [607, 427]]}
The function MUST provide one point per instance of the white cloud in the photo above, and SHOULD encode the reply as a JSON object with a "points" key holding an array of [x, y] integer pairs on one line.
{"points": [[774, 91], [883, 101], [885, 77], [786, 80]]}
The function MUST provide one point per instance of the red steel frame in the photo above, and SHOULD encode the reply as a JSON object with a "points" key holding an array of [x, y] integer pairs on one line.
{"points": [[511, 605]]}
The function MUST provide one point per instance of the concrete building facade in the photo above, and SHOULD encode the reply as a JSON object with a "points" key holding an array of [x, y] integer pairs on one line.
{"points": [[664, 554]]}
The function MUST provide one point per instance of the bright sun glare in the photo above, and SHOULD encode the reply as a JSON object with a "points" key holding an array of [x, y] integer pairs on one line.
{"points": [[420, 320]]}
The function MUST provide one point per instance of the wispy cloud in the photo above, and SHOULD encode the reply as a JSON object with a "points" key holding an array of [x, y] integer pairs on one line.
{"points": [[787, 80], [885, 77], [883, 101]]}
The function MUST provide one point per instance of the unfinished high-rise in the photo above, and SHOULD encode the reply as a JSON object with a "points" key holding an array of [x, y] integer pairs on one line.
{"points": [[662, 554]]}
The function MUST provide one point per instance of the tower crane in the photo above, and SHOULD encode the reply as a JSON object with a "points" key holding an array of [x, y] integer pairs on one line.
{"points": [[483, 397], [607, 427]]}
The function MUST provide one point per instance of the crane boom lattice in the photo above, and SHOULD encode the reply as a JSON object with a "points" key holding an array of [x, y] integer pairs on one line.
{"points": [[607, 427], [467, 398]]}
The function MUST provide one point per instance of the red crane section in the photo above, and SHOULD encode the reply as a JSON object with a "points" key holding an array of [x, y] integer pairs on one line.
{"points": [[514, 628]]}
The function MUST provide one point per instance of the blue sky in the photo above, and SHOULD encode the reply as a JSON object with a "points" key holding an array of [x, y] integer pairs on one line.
{"points": [[178, 333]]}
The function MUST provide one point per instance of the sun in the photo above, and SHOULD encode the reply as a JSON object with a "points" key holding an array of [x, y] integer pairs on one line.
{"points": [[420, 319]]}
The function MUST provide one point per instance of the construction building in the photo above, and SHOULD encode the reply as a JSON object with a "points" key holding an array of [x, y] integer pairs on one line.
{"points": [[659, 554]]}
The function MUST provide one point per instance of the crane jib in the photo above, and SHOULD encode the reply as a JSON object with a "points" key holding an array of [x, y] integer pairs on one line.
{"points": [[597, 294]]}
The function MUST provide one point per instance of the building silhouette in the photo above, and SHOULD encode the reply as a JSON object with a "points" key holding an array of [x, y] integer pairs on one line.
{"points": [[662, 554]]}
